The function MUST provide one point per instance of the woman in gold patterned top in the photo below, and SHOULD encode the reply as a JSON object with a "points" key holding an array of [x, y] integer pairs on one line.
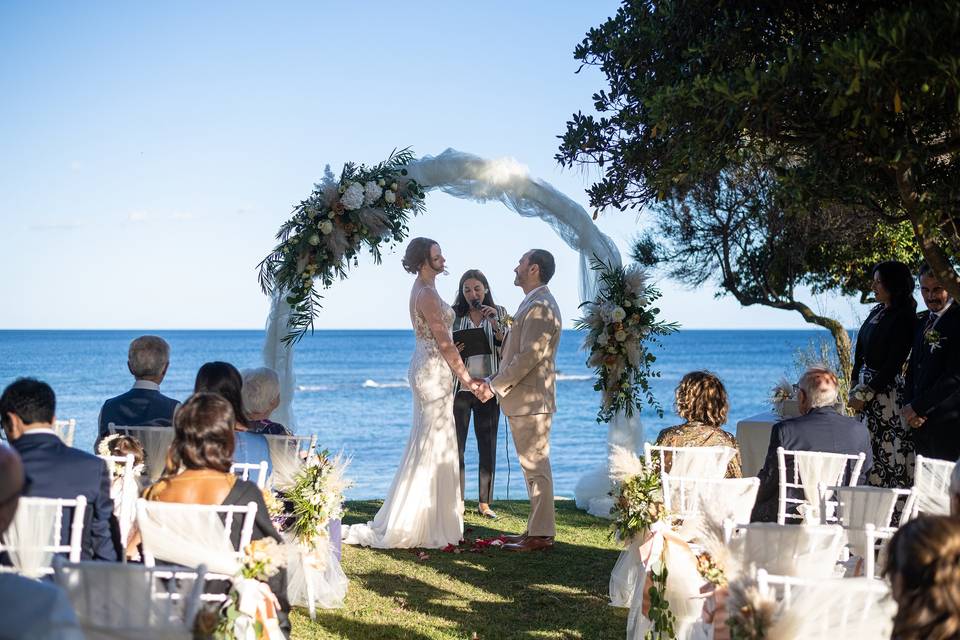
{"points": [[701, 400]]}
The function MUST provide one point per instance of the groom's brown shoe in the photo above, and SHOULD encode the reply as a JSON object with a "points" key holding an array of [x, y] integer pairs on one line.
{"points": [[515, 539], [531, 543]]}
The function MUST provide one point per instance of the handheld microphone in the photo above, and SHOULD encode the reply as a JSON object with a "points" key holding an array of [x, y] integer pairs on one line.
{"points": [[476, 304]]}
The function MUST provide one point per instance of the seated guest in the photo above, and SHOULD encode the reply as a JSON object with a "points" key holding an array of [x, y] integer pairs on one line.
{"points": [[701, 400], [31, 608], [143, 405], [198, 470], [923, 566], [818, 428], [261, 397], [55, 470], [122, 446], [224, 379], [931, 393]]}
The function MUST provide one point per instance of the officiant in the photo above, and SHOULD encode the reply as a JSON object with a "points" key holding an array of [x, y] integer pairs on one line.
{"points": [[479, 328]]}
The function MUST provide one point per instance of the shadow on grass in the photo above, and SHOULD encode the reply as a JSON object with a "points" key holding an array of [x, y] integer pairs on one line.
{"points": [[494, 594]]}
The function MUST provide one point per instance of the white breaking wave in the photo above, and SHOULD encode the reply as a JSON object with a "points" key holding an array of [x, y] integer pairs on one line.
{"points": [[373, 384], [572, 377], [311, 388]]}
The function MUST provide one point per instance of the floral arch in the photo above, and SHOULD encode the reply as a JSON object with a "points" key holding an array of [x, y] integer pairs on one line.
{"points": [[368, 207]]}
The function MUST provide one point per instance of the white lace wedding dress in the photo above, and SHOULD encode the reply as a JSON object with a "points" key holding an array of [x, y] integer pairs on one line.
{"points": [[424, 507]]}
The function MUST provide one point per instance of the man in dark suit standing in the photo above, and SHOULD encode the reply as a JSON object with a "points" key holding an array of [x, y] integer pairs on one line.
{"points": [[818, 428], [144, 405], [932, 394], [54, 470]]}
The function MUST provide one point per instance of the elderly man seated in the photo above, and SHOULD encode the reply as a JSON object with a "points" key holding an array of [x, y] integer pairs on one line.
{"points": [[143, 405], [32, 609], [818, 428]]}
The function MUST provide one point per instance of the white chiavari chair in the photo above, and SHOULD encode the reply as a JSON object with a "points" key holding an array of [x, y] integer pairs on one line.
{"points": [[125, 494], [156, 442], [808, 551], [287, 455], [34, 536], [808, 470], [931, 485], [245, 469], [689, 462], [114, 600], [66, 430]]}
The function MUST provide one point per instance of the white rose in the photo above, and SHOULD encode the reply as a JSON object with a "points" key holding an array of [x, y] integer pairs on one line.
{"points": [[331, 214], [390, 197], [314, 240], [325, 228], [393, 186], [618, 314], [381, 182], [602, 339], [620, 335]]}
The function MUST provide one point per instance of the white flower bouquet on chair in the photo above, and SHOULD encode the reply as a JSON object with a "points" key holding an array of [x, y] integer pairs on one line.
{"points": [[314, 576]]}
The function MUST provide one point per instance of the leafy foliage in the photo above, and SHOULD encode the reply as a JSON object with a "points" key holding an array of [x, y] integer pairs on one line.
{"points": [[854, 107], [618, 324], [637, 504], [331, 226]]}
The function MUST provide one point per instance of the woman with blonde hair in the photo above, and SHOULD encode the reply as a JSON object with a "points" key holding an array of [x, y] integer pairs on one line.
{"points": [[923, 566], [701, 400]]}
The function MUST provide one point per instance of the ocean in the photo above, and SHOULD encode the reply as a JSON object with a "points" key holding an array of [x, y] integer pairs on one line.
{"points": [[352, 390]]}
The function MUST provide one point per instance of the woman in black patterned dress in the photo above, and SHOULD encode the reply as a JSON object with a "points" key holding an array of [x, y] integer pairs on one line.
{"points": [[883, 345]]}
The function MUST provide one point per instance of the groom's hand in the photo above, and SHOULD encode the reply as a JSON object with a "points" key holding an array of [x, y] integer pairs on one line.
{"points": [[484, 392]]}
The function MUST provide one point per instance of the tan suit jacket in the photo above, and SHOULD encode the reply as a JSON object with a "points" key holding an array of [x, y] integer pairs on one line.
{"points": [[527, 380]]}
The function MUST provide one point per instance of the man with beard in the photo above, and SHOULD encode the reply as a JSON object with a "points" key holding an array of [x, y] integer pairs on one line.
{"points": [[932, 394]]}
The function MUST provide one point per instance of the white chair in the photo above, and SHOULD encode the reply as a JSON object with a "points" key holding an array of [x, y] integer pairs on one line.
{"points": [[114, 600], [66, 430], [809, 551], [808, 471], [828, 609], [156, 442], [689, 462], [854, 508], [125, 496], [193, 534], [720, 498], [931, 484], [287, 455], [876, 541], [34, 535], [244, 469]]}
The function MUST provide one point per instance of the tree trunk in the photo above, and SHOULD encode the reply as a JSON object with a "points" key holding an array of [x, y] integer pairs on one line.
{"points": [[933, 253]]}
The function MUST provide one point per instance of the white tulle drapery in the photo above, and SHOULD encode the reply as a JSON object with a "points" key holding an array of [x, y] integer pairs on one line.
{"points": [[33, 535], [470, 177]]}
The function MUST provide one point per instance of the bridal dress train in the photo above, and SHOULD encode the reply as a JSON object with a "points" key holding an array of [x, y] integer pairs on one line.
{"points": [[424, 507]]}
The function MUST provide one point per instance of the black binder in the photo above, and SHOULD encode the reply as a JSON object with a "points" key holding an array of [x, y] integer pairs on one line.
{"points": [[474, 341]]}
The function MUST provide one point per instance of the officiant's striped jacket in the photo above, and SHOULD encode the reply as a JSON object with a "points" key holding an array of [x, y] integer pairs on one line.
{"points": [[493, 358]]}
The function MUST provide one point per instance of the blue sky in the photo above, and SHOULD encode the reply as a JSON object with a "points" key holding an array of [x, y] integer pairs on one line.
{"points": [[151, 150]]}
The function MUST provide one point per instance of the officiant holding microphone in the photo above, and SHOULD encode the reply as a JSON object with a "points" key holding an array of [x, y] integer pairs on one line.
{"points": [[478, 331]]}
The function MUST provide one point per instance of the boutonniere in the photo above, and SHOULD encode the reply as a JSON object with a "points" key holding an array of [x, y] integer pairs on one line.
{"points": [[933, 338]]}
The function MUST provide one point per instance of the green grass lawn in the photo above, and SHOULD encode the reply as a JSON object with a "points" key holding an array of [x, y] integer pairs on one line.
{"points": [[486, 595]]}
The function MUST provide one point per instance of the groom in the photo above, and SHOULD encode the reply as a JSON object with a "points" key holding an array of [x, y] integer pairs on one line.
{"points": [[526, 388]]}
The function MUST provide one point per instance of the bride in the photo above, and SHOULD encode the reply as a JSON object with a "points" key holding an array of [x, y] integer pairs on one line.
{"points": [[424, 507]]}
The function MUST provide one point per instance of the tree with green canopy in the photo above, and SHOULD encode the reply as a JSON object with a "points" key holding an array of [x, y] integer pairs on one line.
{"points": [[854, 108]]}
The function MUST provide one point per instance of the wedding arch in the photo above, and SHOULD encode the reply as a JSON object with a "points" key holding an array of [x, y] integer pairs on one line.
{"points": [[378, 206]]}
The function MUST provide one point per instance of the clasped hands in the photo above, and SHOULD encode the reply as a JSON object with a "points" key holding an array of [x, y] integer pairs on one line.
{"points": [[914, 420], [481, 388]]}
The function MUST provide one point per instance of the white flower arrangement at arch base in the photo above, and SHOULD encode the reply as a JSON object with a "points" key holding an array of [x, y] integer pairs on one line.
{"points": [[618, 323], [365, 206]]}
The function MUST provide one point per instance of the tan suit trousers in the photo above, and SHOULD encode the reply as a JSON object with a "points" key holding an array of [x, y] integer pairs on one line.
{"points": [[531, 437]]}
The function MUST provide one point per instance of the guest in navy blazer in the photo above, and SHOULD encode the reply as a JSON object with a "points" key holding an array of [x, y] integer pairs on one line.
{"points": [[818, 428], [144, 405], [54, 470]]}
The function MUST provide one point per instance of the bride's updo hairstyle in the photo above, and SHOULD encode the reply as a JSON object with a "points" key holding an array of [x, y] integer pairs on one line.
{"points": [[418, 252], [923, 566], [203, 435]]}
